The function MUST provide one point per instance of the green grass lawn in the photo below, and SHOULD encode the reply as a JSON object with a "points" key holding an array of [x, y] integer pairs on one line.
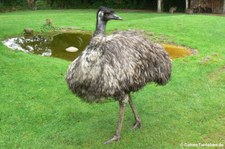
{"points": [[38, 111]]}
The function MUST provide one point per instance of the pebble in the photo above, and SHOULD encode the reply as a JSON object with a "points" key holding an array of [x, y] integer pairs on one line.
{"points": [[72, 49]]}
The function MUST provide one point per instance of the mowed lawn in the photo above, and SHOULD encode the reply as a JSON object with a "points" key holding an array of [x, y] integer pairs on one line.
{"points": [[38, 111]]}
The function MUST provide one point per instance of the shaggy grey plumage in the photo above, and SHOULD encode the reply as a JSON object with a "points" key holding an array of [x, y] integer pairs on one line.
{"points": [[115, 65]]}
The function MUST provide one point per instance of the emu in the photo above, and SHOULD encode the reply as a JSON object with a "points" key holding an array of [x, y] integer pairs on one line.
{"points": [[116, 65]]}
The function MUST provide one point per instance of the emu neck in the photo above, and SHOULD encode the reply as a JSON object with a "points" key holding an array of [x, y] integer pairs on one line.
{"points": [[100, 27]]}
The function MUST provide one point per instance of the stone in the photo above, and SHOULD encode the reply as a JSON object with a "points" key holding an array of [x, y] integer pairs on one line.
{"points": [[189, 11], [30, 48], [72, 49], [28, 31]]}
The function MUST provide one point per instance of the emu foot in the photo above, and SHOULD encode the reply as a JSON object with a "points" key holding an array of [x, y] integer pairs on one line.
{"points": [[114, 138], [137, 124]]}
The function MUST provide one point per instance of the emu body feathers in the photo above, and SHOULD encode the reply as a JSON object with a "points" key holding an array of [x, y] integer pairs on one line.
{"points": [[115, 65]]}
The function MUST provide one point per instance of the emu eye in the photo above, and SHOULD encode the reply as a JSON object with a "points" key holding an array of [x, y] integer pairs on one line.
{"points": [[106, 14]]}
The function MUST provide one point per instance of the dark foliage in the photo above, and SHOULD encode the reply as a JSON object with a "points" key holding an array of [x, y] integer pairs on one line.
{"points": [[12, 5], [70, 4]]}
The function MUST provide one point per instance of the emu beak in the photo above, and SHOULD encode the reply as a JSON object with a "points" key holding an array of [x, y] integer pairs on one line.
{"points": [[116, 17]]}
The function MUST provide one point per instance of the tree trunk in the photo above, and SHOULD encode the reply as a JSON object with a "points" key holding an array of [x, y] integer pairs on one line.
{"points": [[187, 4], [159, 8], [31, 4], [224, 6]]}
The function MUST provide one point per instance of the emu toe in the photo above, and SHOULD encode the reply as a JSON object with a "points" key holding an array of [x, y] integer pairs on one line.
{"points": [[136, 125], [114, 138]]}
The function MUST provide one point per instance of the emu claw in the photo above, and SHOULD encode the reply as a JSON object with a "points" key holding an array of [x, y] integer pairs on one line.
{"points": [[114, 138], [137, 124]]}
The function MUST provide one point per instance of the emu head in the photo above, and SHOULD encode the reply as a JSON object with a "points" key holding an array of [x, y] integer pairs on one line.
{"points": [[105, 14]]}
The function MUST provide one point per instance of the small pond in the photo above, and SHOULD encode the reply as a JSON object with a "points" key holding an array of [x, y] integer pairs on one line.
{"points": [[56, 45], [53, 45]]}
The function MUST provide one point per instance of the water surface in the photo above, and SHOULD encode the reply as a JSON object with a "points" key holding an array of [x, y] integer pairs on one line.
{"points": [[55, 45]]}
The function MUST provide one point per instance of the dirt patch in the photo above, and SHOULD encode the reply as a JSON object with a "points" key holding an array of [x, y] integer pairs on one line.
{"points": [[177, 51]]}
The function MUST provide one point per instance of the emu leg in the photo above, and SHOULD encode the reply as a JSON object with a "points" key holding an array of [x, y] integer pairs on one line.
{"points": [[137, 123], [116, 137]]}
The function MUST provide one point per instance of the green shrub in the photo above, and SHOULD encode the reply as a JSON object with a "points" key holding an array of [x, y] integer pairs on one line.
{"points": [[42, 4]]}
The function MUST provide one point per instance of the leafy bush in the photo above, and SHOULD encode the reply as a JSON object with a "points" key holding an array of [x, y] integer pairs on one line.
{"points": [[12, 5], [42, 4], [68, 4]]}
